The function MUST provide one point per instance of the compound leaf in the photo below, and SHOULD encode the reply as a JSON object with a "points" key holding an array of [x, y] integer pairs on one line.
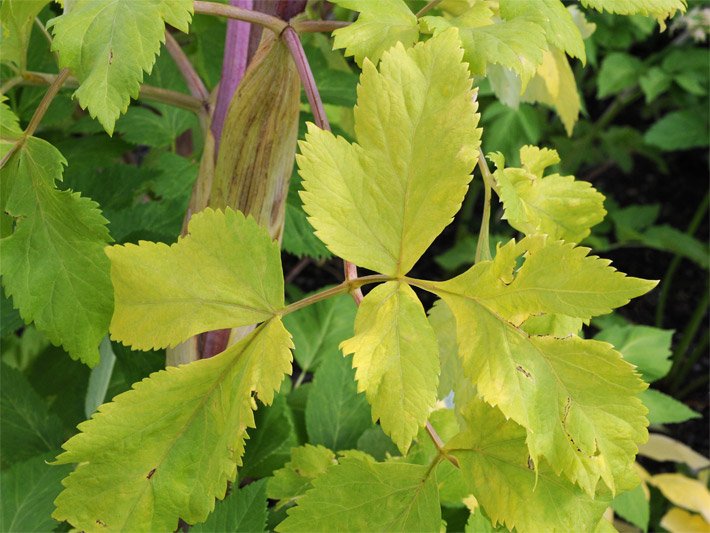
{"points": [[166, 449], [510, 488], [109, 44], [559, 206], [381, 203], [517, 44], [227, 267], [368, 496], [578, 398], [397, 360], [53, 263], [379, 26]]}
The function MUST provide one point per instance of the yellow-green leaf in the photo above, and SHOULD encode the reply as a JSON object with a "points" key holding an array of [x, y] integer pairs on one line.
{"points": [[685, 492], [226, 272], [380, 203], [108, 44], [361, 495], [166, 449], [17, 18], [680, 521], [396, 359], [559, 206], [379, 26], [658, 9], [662, 448], [578, 398], [511, 488]]}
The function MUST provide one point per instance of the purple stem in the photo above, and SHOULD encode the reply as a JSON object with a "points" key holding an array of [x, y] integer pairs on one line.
{"points": [[236, 59]]}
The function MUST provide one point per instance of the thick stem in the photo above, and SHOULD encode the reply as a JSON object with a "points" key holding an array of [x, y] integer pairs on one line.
{"points": [[275, 24], [236, 59], [315, 26], [158, 94]]}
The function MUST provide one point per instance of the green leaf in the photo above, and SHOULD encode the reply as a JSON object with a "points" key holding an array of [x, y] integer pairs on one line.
{"points": [[298, 237], [319, 329], [664, 409], [479, 523], [166, 449], [361, 495], [669, 239], [619, 71], [381, 203], [654, 82], [53, 264], [17, 19], [560, 28], [244, 510], [294, 479], [517, 44], [379, 27], [109, 63], [513, 489], [269, 445], [576, 397], [396, 357], [336, 415], [227, 266], [648, 348], [659, 9], [376, 443], [679, 130], [559, 206], [633, 506], [142, 126], [28, 492], [508, 129], [27, 428], [10, 319], [100, 378]]}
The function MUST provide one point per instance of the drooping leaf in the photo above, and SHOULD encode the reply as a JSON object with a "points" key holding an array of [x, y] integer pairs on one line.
{"points": [[664, 409], [17, 19], [361, 495], [319, 329], [517, 43], [269, 445], [396, 357], [27, 428], [379, 26], [244, 510], [559, 206], [336, 415], [659, 9], [226, 266], [513, 489], [28, 492], [648, 348], [166, 449], [560, 28], [110, 62], [53, 263], [294, 479], [380, 203], [577, 397]]}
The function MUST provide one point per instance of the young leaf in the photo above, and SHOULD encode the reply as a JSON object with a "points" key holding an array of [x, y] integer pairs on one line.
{"points": [[361, 495], [158, 287], [166, 449], [560, 28], [517, 44], [294, 479], [336, 415], [397, 360], [28, 490], [576, 397], [559, 206], [66, 292], [512, 489], [110, 62], [17, 18], [381, 203], [27, 428], [379, 27], [244, 510]]}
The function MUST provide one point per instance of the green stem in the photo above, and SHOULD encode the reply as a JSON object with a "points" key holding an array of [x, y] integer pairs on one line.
{"points": [[346, 286], [483, 248], [431, 5], [274, 24], [315, 26], [667, 278], [681, 364], [692, 387], [439, 444], [622, 100]]}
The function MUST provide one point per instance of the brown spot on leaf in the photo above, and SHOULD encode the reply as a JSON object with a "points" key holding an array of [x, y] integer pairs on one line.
{"points": [[150, 474], [523, 371]]}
